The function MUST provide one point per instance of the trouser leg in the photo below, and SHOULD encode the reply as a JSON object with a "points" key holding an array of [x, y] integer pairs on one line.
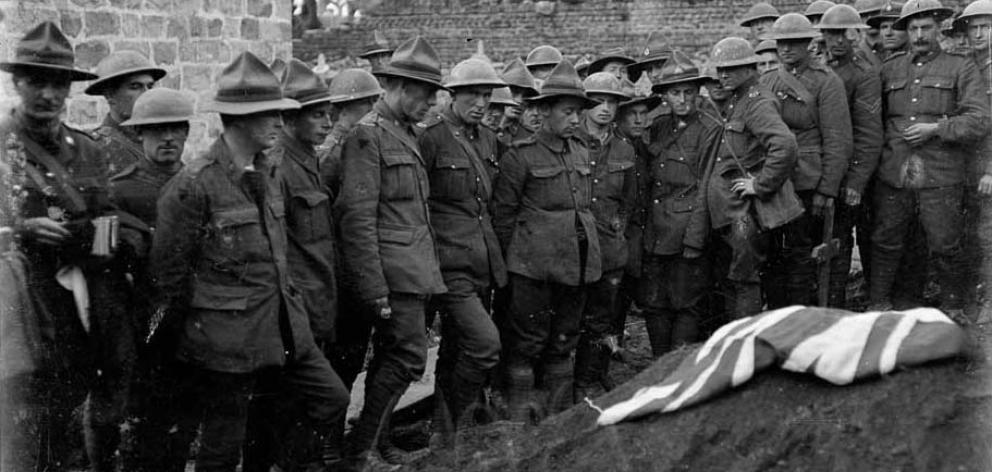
{"points": [[22, 421], [792, 270], [592, 354], [568, 304], [748, 249], [941, 215], [169, 418], [893, 209], [224, 398], [845, 219]]}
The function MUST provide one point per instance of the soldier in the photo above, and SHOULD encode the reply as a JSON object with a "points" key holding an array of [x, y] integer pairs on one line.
{"points": [[768, 52], [814, 105], [892, 40], [501, 100], [541, 60], [813, 13], [936, 109], [870, 46], [353, 92], [522, 86], [652, 58], [543, 218], [614, 191], [675, 276], [224, 285], [79, 292], [123, 77], [377, 52], [955, 36], [754, 158], [758, 20], [864, 101], [161, 120], [614, 61], [461, 159], [390, 260], [582, 66]]}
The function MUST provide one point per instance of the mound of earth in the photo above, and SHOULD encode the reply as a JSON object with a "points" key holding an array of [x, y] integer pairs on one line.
{"points": [[934, 417]]}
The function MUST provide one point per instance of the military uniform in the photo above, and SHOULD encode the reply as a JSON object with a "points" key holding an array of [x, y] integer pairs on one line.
{"points": [[330, 159], [614, 193], [672, 285], [926, 180], [981, 227], [863, 87], [824, 136], [754, 132], [461, 161], [121, 143]]}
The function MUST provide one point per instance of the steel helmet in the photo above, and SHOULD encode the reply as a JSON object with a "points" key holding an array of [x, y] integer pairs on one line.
{"points": [[792, 26], [604, 83], [502, 96], [841, 17], [759, 11], [161, 105], [915, 8], [473, 72], [353, 84], [543, 56], [611, 55], [733, 52], [766, 45], [817, 9], [868, 7], [889, 12], [119, 65], [976, 8]]}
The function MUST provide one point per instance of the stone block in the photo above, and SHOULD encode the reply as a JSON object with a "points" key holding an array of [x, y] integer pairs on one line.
{"points": [[164, 52], [171, 80], [133, 45], [227, 7], [177, 29], [214, 27], [180, 7], [260, 8], [212, 51], [187, 51], [249, 28], [99, 23], [197, 26], [83, 111], [271, 30], [89, 4], [131, 25], [71, 22], [89, 53], [197, 77], [153, 26], [127, 4], [21, 19]]}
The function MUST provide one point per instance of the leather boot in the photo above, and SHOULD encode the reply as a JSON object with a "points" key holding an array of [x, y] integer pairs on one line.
{"points": [[591, 375], [519, 383], [465, 393], [101, 446], [747, 300], [685, 328], [659, 326], [559, 377], [885, 263]]}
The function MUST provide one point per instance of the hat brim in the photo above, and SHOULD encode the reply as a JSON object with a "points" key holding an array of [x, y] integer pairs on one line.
{"points": [[388, 71], [635, 69], [651, 101], [586, 101], [96, 88], [351, 98], [367, 54], [939, 14], [841, 27], [747, 61], [876, 21], [747, 21], [315, 101], [157, 120], [248, 108], [698, 80], [619, 95], [540, 64], [788, 36], [492, 84], [75, 75], [506, 103], [598, 64]]}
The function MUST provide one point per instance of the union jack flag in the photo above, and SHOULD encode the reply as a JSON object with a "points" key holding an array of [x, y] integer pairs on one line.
{"points": [[836, 345]]}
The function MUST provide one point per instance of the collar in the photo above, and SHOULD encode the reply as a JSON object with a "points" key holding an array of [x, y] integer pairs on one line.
{"points": [[388, 114], [584, 132], [159, 171], [450, 116], [305, 156], [128, 131], [925, 58], [551, 140], [798, 69], [222, 155], [47, 134]]}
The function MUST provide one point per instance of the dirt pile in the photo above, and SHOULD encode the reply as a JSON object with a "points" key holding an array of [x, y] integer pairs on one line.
{"points": [[934, 417]]}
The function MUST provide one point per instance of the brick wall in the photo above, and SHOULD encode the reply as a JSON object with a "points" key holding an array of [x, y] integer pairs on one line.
{"points": [[513, 27], [192, 39]]}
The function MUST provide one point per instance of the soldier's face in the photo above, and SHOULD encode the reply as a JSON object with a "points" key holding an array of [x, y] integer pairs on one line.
{"points": [[872, 36], [164, 143], [416, 100], [792, 52], [716, 90], [494, 115], [311, 124], [682, 98], [960, 40], [655, 71], [470, 103], [769, 61], [121, 98], [892, 39], [616, 68], [531, 118], [42, 93], [562, 117], [733, 77], [633, 119], [603, 113], [979, 29], [924, 34], [839, 43], [263, 128], [760, 27]]}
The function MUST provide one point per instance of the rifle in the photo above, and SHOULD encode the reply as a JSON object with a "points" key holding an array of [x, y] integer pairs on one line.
{"points": [[823, 253]]}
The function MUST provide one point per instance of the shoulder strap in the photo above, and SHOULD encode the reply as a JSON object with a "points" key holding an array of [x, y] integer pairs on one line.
{"points": [[473, 156], [55, 167], [793, 83]]}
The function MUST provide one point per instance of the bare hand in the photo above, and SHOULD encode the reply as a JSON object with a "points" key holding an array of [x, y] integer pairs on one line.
{"points": [[851, 197], [45, 230], [821, 203], [919, 133], [381, 308], [985, 185], [691, 253], [744, 186]]}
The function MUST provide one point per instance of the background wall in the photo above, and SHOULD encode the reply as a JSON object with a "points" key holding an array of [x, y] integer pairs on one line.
{"points": [[192, 39]]}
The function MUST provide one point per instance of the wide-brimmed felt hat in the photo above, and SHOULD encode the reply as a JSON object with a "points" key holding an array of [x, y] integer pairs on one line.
{"points": [[45, 47], [278, 67], [678, 70], [563, 82], [654, 51], [378, 45], [248, 86], [119, 65], [610, 55], [161, 105], [302, 84], [637, 96], [515, 74], [416, 60], [890, 11]]}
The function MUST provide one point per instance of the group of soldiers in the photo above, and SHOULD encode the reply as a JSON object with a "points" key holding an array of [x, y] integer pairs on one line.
{"points": [[233, 297]]}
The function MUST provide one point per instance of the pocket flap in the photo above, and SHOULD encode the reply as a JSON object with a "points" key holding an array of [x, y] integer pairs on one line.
{"points": [[219, 297], [446, 161], [937, 81], [397, 157], [735, 125], [682, 205], [895, 84], [546, 172], [584, 170], [396, 234], [619, 166], [312, 198], [235, 217]]}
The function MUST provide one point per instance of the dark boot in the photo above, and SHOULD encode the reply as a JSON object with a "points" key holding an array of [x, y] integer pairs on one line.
{"points": [[466, 393], [685, 329], [101, 446], [373, 423], [519, 382], [746, 301], [592, 363], [885, 263], [659, 326], [559, 379]]}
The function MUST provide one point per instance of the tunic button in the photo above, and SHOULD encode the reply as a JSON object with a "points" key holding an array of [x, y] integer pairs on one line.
{"points": [[656, 201], [595, 181], [916, 81], [913, 100], [919, 64], [912, 118], [593, 163], [453, 166], [593, 199], [657, 184], [476, 179]]}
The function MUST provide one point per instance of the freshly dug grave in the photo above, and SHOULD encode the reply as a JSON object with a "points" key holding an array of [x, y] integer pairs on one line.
{"points": [[934, 417]]}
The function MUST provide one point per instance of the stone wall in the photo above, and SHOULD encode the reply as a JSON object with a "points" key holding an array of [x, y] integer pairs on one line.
{"points": [[192, 39]]}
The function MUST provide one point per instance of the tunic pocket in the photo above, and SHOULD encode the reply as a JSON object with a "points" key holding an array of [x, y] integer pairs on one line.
{"points": [[450, 178], [548, 187], [237, 238], [399, 176], [310, 218]]}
